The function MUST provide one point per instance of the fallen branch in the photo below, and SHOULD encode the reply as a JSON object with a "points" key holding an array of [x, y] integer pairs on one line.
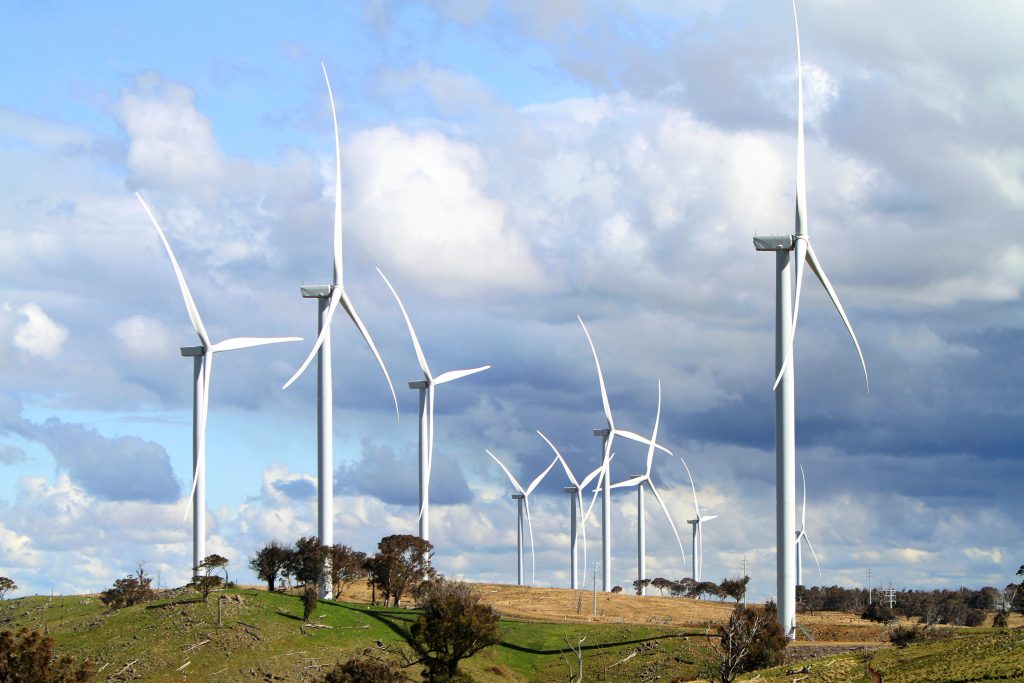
{"points": [[127, 666], [623, 660], [320, 625], [219, 672], [184, 665], [193, 647], [103, 667]]}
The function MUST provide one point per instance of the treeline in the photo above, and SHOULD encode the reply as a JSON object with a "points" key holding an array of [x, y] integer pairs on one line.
{"points": [[962, 607]]}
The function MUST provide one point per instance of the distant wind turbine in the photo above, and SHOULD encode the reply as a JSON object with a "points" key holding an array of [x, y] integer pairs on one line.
{"points": [[202, 370], [801, 535], [576, 503], [524, 500], [608, 435], [786, 312], [426, 389], [697, 554], [639, 482], [328, 298]]}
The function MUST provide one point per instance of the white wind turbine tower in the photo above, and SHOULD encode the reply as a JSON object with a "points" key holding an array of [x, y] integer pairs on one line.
{"points": [[801, 535], [328, 298], [202, 370], [523, 498], [639, 482], [608, 435], [426, 389], [575, 503], [697, 554], [786, 312]]}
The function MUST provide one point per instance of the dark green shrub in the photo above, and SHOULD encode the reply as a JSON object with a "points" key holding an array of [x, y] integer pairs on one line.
{"points": [[364, 671], [131, 590], [454, 625], [28, 657]]}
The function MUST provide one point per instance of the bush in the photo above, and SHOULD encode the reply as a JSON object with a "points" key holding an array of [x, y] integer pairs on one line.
{"points": [[131, 590], [616, 589], [901, 636], [364, 671], [28, 656], [1001, 619], [974, 617], [878, 612], [453, 626], [751, 639]]}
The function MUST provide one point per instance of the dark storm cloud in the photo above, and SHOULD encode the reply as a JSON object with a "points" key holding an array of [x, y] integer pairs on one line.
{"points": [[123, 468], [296, 489], [379, 472]]}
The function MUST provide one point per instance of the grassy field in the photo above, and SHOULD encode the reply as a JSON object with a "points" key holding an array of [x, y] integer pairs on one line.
{"points": [[262, 637]]}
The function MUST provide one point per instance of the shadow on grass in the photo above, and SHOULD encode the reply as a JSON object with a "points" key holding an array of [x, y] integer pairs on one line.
{"points": [[389, 619], [587, 648], [172, 603]]}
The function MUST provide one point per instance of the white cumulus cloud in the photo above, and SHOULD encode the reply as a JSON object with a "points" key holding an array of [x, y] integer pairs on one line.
{"points": [[40, 334]]}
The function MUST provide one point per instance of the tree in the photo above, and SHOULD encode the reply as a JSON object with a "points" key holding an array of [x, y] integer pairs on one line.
{"points": [[208, 580], [734, 588], [364, 671], [402, 562], [6, 585], [750, 640], [661, 584], [346, 567], [28, 656], [269, 563], [640, 584], [307, 563], [131, 590], [454, 625], [876, 611]]}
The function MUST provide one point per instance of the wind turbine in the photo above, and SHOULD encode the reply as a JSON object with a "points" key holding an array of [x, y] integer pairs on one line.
{"points": [[329, 297], [801, 535], [202, 370], [786, 312], [426, 389], [639, 481], [524, 500], [576, 502], [697, 525], [608, 435]]}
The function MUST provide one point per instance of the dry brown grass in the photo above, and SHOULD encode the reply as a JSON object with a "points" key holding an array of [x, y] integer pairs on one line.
{"points": [[559, 605]]}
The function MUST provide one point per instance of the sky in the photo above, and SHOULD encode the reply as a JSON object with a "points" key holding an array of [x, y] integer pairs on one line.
{"points": [[509, 166]]}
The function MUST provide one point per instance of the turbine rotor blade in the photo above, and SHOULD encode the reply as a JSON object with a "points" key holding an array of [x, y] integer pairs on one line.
{"points": [[633, 436], [801, 253], [324, 331], [654, 434], [801, 166], [668, 516], [692, 488], [600, 376], [803, 512], [558, 457], [337, 247], [814, 555], [507, 473], [249, 342], [346, 303], [412, 331], [533, 550], [629, 482], [812, 260], [205, 372], [453, 375], [190, 304], [543, 474]]}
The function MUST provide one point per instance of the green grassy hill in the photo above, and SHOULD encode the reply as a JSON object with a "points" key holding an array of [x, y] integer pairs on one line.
{"points": [[262, 637]]}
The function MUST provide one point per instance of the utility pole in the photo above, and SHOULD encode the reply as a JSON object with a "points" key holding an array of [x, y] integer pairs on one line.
{"points": [[869, 586], [743, 577], [891, 594]]}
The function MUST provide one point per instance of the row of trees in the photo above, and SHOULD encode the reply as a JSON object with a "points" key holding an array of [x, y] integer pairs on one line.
{"points": [[400, 565], [734, 588]]}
